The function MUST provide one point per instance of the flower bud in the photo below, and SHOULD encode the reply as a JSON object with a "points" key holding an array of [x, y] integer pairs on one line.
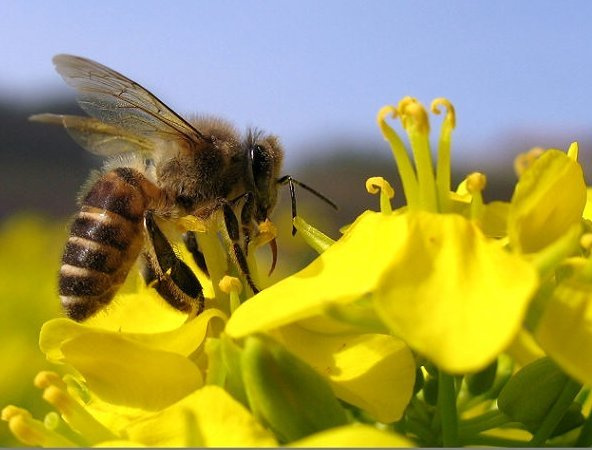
{"points": [[285, 393], [532, 391]]}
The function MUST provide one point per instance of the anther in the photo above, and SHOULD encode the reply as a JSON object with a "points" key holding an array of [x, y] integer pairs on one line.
{"points": [[524, 160], [586, 241], [450, 117], [413, 116], [375, 185], [230, 284], [476, 182]]}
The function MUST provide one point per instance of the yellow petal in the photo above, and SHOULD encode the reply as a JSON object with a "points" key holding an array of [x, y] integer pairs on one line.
{"points": [[140, 311], [452, 294], [183, 340], [524, 349], [587, 214], [344, 272], [565, 329], [124, 372], [356, 435], [548, 200], [209, 417], [372, 371]]}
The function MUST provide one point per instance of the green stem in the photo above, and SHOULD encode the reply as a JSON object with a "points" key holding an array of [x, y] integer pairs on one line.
{"points": [[421, 430], [556, 413], [484, 422], [420, 410], [585, 437], [447, 409]]}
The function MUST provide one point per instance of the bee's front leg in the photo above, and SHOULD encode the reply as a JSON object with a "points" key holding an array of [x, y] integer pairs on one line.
{"points": [[190, 241], [233, 229]]}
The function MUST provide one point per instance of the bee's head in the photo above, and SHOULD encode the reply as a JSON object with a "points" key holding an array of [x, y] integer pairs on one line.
{"points": [[265, 157]]}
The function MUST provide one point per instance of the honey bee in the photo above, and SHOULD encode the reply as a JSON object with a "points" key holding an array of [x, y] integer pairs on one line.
{"points": [[160, 166]]}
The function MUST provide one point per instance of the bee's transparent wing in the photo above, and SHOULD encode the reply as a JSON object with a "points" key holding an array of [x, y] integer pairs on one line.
{"points": [[98, 137], [114, 99]]}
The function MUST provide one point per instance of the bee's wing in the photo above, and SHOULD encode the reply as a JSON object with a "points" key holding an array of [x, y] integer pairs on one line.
{"points": [[116, 100], [98, 137]]}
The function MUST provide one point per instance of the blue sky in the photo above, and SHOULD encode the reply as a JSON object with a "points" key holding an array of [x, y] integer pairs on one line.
{"points": [[310, 70]]}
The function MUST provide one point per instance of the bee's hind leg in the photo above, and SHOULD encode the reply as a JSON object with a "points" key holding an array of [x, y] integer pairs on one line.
{"points": [[170, 276]]}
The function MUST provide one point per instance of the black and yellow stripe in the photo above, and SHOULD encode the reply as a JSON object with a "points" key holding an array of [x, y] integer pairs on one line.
{"points": [[105, 240]]}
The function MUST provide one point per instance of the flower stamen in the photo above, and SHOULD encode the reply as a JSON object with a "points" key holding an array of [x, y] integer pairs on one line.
{"points": [[476, 183], [375, 185], [30, 431], [444, 156], [402, 160], [72, 412], [415, 122], [524, 160], [231, 286]]}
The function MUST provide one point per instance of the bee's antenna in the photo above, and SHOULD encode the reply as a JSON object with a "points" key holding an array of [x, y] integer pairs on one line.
{"points": [[290, 181]]}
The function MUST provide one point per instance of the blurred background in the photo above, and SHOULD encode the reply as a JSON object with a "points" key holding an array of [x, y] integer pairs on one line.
{"points": [[314, 73]]}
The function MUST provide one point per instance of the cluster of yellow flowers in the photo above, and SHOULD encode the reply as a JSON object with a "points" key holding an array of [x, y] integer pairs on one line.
{"points": [[449, 321]]}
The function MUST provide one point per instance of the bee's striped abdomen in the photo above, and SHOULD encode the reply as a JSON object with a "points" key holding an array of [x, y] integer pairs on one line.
{"points": [[105, 240]]}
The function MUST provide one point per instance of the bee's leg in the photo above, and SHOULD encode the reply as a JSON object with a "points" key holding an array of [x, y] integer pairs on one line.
{"points": [[190, 241], [233, 229], [147, 272], [246, 218], [172, 278]]}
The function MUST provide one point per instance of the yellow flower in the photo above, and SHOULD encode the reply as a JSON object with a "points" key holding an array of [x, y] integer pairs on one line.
{"points": [[362, 367], [405, 330], [451, 294], [565, 329], [205, 417], [549, 198]]}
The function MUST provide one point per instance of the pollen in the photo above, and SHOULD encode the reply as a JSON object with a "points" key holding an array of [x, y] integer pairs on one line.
{"points": [[267, 233]]}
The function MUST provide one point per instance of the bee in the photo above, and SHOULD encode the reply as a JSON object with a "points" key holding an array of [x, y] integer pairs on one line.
{"points": [[160, 167]]}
